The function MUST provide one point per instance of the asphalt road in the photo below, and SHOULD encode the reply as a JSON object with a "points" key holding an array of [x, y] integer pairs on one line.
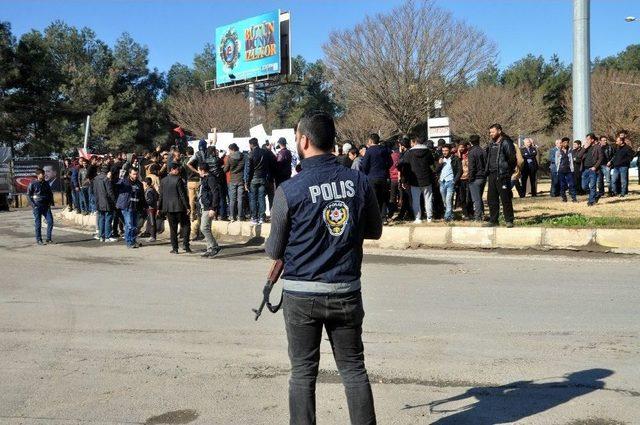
{"points": [[104, 335]]}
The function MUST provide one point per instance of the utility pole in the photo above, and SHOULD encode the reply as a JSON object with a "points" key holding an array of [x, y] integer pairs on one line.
{"points": [[581, 70], [86, 132]]}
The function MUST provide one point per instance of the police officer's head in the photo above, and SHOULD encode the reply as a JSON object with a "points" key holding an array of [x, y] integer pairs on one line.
{"points": [[315, 134]]}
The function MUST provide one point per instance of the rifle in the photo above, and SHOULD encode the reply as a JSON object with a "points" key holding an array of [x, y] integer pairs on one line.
{"points": [[272, 278]]}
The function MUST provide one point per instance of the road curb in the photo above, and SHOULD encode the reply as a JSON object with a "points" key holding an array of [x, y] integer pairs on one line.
{"points": [[623, 241]]}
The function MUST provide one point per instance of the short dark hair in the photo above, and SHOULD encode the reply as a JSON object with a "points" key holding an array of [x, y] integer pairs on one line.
{"points": [[441, 142], [148, 181], [578, 142], [604, 137], [154, 168], [39, 171], [448, 146], [320, 129], [174, 166], [566, 139], [203, 166], [353, 151], [619, 132], [253, 142], [420, 140], [496, 126], [474, 139], [591, 136], [234, 147], [375, 138], [189, 150]]}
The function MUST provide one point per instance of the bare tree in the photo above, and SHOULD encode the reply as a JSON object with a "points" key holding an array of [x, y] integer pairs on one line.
{"points": [[397, 64], [357, 124], [200, 111], [615, 103], [519, 111]]}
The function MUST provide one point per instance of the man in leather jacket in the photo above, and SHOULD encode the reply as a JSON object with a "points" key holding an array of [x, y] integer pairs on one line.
{"points": [[501, 162], [40, 198]]}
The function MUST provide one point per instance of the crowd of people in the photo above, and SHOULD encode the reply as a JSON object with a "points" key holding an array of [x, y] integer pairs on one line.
{"points": [[414, 179], [132, 195]]}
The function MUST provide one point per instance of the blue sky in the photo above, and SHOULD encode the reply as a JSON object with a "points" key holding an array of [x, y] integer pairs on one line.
{"points": [[175, 30]]}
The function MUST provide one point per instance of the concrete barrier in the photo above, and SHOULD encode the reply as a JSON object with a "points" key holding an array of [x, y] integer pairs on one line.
{"points": [[402, 237]]}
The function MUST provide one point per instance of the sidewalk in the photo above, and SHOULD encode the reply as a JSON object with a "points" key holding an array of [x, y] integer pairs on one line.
{"points": [[621, 241]]}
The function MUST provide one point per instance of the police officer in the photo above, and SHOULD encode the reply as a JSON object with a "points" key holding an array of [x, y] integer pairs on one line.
{"points": [[41, 198], [318, 222]]}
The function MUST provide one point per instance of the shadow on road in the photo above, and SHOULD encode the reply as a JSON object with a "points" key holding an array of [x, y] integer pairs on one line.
{"points": [[517, 400]]}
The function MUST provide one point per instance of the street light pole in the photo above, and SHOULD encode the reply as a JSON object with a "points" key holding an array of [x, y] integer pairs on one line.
{"points": [[581, 70]]}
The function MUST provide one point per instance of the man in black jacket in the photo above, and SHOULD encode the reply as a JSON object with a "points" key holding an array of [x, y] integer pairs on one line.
{"points": [[591, 158], [174, 203], [416, 170], [501, 162], [477, 179], [256, 184], [376, 164], [604, 177], [105, 203], [209, 198], [620, 163], [40, 198], [530, 167]]}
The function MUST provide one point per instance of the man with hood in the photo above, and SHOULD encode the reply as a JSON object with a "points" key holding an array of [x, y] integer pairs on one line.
{"points": [[416, 166]]}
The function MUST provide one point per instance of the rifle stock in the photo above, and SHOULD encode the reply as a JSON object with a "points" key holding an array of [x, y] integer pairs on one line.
{"points": [[272, 278]]}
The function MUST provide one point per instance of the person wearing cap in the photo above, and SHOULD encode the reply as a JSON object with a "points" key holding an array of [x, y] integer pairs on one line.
{"points": [[105, 203], [173, 202], [209, 199]]}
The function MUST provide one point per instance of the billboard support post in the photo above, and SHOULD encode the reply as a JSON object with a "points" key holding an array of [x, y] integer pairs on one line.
{"points": [[86, 132], [252, 104]]}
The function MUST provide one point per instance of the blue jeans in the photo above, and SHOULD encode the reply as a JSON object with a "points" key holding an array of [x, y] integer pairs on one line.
{"points": [[623, 174], [236, 192], [92, 200], [446, 191], [38, 213], [256, 200], [604, 179], [589, 182], [566, 182], [341, 316], [130, 226], [84, 199], [75, 196], [555, 182], [223, 210], [104, 224]]}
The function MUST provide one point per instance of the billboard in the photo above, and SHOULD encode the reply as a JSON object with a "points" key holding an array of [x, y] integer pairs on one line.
{"points": [[24, 171], [248, 49]]}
